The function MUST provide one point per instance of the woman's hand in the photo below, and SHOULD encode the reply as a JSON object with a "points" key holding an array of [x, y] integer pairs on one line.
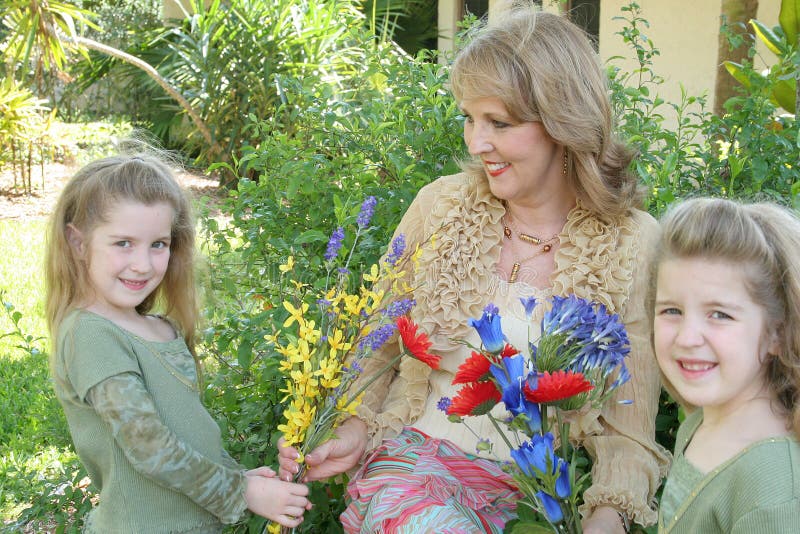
{"points": [[604, 520], [331, 458]]}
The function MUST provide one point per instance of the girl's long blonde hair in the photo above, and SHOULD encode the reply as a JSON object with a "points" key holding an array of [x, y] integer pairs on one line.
{"points": [[544, 69], [764, 239], [86, 202]]}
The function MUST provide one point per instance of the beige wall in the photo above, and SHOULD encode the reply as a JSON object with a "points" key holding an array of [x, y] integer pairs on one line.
{"points": [[685, 32]]}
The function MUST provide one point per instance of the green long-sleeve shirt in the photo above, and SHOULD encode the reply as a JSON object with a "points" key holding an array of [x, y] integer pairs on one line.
{"points": [[139, 427], [755, 492]]}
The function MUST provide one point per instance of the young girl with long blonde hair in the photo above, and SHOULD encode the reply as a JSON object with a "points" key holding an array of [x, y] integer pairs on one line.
{"points": [[121, 244], [727, 338]]}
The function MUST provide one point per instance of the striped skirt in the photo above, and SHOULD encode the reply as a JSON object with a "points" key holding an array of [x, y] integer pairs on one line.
{"points": [[414, 484]]}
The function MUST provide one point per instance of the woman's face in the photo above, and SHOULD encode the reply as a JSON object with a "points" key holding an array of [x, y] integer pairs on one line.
{"points": [[522, 163]]}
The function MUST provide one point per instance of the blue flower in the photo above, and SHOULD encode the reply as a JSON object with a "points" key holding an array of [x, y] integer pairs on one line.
{"points": [[489, 329], [536, 458], [529, 303], [551, 507], [443, 404], [532, 456], [510, 379], [334, 244], [605, 347], [571, 315], [398, 247], [367, 210], [563, 489]]}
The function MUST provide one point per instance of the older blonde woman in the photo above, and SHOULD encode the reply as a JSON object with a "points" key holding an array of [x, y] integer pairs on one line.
{"points": [[545, 207]]}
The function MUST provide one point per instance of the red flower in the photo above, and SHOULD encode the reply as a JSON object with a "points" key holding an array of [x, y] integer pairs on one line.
{"points": [[417, 345], [508, 351], [557, 386], [476, 398], [473, 369]]}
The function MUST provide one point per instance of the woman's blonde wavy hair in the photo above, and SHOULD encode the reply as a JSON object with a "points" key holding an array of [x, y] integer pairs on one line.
{"points": [[85, 202], [762, 239], [544, 69]]}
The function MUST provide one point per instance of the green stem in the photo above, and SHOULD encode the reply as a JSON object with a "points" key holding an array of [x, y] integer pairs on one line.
{"points": [[499, 431], [376, 375], [545, 421]]}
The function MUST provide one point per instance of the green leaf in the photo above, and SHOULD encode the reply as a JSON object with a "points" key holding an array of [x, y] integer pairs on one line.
{"points": [[244, 354], [310, 236], [789, 19], [784, 93], [737, 71], [776, 45]]}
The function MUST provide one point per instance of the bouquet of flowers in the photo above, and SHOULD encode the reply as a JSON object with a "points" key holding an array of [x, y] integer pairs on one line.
{"points": [[330, 331], [579, 358]]}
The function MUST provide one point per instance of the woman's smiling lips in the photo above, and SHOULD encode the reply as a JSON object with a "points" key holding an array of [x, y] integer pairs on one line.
{"points": [[695, 368], [496, 169]]}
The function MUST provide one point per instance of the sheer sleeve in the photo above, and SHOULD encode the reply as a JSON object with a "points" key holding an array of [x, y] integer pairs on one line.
{"points": [[123, 402], [628, 464]]}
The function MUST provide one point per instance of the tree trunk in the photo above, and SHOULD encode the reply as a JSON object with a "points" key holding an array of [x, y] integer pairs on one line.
{"points": [[215, 151], [736, 14]]}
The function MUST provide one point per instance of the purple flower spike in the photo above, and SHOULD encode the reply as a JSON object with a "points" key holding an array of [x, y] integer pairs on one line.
{"points": [[334, 244], [398, 247], [375, 339], [443, 404], [398, 308], [367, 210]]}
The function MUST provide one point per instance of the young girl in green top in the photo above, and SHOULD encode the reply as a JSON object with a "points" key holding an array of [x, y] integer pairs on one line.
{"points": [[727, 338], [121, 242]]}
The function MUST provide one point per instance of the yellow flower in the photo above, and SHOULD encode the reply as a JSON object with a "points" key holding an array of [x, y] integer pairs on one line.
{"points": [[298, 285], [296, 314], [288, 266], [336, 341], [308, 333], [353, 305], [373, 274], [274, 528], [347, 405], [329, 371]]}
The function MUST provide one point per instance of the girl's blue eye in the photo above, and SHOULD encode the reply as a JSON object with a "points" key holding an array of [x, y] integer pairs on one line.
{"points": [[720, 315], [160, 244], [670, 311], [500, 124], [123, 243]]}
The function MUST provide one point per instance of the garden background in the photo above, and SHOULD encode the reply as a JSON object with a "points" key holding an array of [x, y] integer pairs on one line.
{"points": [[286, 114]]}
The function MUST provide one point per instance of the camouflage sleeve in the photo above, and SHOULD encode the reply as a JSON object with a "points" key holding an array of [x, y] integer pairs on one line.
{"points": [[229, 461], [124, 403]]}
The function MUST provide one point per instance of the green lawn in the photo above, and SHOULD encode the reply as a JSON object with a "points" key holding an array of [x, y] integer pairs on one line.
{"points": [[36, 457]]}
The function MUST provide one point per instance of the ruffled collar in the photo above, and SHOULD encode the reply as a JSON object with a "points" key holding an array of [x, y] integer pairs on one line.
{"points": [[595, 259]]}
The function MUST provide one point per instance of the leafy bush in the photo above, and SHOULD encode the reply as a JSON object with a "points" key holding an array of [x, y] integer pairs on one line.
{"points": [[747, 153]]}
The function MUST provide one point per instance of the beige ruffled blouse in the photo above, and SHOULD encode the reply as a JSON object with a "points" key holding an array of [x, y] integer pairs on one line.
{"points": [[601, 259]]}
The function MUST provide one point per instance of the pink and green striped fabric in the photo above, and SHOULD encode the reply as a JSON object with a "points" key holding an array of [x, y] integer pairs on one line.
{"points": [[417, 484]]}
